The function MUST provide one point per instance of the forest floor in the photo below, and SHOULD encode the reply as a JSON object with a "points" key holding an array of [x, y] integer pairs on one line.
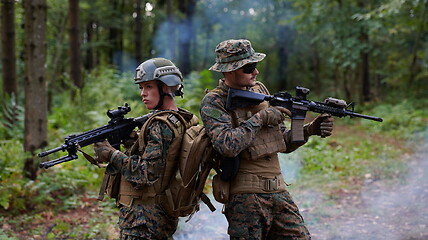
{"points": [[394, 209]]}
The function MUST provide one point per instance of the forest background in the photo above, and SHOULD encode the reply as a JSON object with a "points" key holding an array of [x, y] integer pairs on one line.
{"points": [[65, 63]]}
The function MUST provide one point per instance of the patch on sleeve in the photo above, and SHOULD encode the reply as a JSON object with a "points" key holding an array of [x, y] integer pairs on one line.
{"points": [[214, 113]]}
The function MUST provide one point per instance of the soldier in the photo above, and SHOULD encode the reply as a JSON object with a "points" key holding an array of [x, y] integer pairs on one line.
{"points": [[257, 204], [143, 169]]}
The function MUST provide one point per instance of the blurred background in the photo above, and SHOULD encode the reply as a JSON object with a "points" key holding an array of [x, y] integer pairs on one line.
{"points": [[65, 63]]}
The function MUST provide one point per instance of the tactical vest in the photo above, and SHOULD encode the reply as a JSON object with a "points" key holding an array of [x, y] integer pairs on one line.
{"points": [[259, 170], [155, 193]]}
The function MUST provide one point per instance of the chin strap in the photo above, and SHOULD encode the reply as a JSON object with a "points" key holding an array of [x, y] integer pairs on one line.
{"points": [[162, 94]]}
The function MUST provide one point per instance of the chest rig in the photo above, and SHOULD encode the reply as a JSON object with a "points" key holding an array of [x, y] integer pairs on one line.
{"points": [[259, 170]]}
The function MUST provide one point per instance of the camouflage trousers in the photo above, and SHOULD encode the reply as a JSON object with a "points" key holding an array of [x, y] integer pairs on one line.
{"points": [[146, 222], [264, 216]]}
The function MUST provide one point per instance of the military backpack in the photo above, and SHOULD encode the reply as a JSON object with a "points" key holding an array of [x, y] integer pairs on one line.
{"points": [[187, 168]]}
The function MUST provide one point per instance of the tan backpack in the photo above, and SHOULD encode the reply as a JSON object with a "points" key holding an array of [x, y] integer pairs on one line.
{"points": [[195, 162], [187, 169]]}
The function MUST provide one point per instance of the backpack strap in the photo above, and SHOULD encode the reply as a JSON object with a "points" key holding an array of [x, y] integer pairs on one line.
{"points": [[178, 125]]}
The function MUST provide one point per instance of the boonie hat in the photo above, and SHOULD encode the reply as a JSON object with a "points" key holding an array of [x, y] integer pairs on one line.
{"points": [[233, 54]]}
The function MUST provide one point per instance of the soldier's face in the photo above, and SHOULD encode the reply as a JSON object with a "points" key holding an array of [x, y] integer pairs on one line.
{"points": [[149, 93], [240, 80]]}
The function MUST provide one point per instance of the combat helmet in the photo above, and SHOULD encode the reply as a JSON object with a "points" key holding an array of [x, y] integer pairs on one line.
{"points": [[162, 70], [158, 69]]}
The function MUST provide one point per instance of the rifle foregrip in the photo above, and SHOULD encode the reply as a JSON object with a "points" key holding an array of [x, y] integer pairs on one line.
{"points": [[297, 133]]}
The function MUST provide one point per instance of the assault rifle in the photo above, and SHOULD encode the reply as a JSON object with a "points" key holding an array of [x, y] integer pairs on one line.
{"points": [[298, 106], [117, 131]]}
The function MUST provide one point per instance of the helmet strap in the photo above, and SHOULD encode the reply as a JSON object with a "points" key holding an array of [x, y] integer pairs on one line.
{"points": [[161, 95]]}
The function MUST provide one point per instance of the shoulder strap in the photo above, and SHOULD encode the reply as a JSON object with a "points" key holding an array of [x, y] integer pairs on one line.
{"points": [[178, 125], [261, 88]]}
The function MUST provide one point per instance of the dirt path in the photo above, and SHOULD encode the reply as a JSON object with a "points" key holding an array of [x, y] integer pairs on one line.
{"points": [[382, 210]]}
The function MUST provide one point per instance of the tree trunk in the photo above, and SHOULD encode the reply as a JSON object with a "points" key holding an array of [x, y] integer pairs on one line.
{"points": [[116, 35], [35, 133], [283, 45], [8, 48], [207, 53], [413, 65], [138, 33], [89, 57], [9, 63], [346, 84], [186, 36], [171, 28], [316, 69], [364, 67], [75, 71]]}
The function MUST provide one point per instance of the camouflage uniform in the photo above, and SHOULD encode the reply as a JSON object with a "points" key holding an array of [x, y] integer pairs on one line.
{"points": [[139, 178], [251, 214], [145, 221]]}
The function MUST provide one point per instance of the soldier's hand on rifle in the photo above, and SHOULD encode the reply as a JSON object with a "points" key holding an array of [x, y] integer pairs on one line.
{"points": [[321, 125], [103, 151], [131, 140], [273, 115]]}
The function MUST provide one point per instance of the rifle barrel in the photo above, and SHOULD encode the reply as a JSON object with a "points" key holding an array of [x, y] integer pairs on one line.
{"points": [[353, 114], [60, 148]]}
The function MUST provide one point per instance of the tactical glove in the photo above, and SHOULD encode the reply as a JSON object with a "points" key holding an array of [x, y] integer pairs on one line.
{"points": [[133, 137], [103, 151], [321, 125], [273, 115]]}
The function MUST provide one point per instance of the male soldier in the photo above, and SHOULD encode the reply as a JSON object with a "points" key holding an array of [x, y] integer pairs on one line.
{"points": [[146, 167], [257, 204]]}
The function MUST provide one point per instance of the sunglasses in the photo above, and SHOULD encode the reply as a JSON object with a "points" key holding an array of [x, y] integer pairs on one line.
{"points": [[249, 68]]}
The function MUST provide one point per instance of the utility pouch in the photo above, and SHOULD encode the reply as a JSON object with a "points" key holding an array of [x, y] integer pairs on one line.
{"points": [[220, 189], [229, 167], [110, 186]]}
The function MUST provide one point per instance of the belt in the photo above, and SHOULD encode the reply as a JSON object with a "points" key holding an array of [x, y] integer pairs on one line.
{"points": [[252, 183]]}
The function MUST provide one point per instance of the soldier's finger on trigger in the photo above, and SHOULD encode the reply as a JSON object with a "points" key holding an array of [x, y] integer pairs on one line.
{"points": [[284, 110]]}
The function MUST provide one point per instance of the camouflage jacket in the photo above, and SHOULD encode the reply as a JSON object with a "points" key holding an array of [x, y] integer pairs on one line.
{"points": [[146, 169], [227, 140]]}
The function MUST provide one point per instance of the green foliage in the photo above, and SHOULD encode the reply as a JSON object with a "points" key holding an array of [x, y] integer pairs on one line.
{"points": [[11, 119], [11, 164], [85, 110], [362, 150], [53, 188], [401, 119], [195, 85], [349, 158], [304, 32], [104, 89]]}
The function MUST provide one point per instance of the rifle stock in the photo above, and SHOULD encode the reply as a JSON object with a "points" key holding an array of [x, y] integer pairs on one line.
{"points": [[298, 106]]}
